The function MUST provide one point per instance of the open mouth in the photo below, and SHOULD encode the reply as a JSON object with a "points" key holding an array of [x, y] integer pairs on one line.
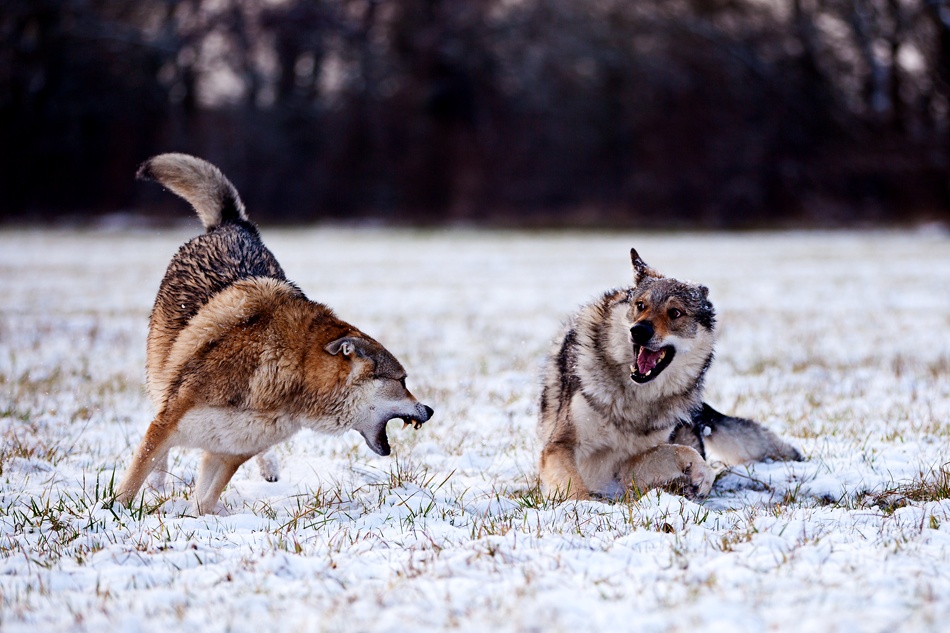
{"points": [[650, 363], [378, 441]]}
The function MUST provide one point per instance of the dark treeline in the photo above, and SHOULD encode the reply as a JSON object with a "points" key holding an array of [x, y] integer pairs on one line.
{"points": [[717, 113]]}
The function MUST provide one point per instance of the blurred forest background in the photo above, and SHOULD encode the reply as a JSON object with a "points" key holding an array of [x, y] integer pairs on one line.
{"points": [[657, 113]]}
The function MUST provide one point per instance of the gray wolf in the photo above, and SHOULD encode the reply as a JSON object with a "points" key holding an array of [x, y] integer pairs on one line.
{"points": [[238, 359], [622, 399]]}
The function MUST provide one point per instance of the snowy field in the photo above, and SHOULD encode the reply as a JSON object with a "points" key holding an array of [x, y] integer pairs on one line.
{"points": [[838, 341]]}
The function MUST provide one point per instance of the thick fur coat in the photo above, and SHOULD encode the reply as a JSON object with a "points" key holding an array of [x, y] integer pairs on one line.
{"points": [[622, 398], [238, 359]]}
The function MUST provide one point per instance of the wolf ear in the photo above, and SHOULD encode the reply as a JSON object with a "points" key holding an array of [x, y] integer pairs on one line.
{"points": [[640, 268], [348, 346]]}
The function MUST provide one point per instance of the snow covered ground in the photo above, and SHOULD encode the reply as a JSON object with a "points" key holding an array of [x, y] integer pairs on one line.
{"points": [[838, 341]]}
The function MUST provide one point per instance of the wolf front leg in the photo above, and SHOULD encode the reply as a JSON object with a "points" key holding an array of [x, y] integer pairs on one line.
{"points": [[151, 453], [214, 474], [670, 465], [560, 478]]}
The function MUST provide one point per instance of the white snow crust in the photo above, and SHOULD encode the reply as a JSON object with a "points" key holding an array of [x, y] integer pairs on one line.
{"points": [[840, 342]]}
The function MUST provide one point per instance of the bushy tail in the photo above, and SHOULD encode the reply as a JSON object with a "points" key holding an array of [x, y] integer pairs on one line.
{"points": [[737, 440], [212, 195]]}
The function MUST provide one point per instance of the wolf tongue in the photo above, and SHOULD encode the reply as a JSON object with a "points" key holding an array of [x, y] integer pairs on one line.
{"points": [[647, 360]]}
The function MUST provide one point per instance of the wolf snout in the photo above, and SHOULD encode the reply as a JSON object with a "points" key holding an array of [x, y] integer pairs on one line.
{"points": [[420, 417], [641, 333]]}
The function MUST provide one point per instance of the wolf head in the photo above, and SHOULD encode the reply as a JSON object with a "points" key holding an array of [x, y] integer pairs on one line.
{"points": [[376, 382], [671, 326]]}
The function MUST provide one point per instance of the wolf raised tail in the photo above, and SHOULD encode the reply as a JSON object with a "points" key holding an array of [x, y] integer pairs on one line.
{"points": [[737, 440], [200, 183]]}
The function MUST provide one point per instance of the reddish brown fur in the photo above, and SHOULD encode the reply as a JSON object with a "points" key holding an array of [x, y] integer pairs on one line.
{"points": [[258, 346], [261, 339], [239, 359]]}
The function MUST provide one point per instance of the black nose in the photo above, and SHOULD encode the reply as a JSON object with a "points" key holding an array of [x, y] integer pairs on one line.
{"points": [[641, 333], [429, 411]]}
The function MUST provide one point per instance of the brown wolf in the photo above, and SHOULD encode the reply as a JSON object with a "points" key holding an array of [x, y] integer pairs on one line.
{"points": [[622, 400], [239, 359]]}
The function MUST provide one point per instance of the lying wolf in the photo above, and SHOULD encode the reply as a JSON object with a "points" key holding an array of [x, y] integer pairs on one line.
{"points": [[622, 401], [238, 359]]}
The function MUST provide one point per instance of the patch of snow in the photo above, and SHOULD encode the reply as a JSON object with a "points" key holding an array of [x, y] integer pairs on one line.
{"points": [[837, 341]]}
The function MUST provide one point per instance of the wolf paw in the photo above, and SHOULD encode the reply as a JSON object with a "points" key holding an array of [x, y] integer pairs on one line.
{"points": [[267, 463], [677, 468], [697, 477]]}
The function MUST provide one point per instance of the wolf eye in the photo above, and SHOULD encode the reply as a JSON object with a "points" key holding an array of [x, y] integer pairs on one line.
{"points": [[675, 313], [640, 305]]}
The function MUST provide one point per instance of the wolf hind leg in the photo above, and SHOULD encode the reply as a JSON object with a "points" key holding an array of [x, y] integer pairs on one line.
{"points": [[734, 441], [214, 473], [268, 465]]}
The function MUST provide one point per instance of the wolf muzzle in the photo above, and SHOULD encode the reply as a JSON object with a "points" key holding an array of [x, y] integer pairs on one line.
{"points": [[417, 422]]}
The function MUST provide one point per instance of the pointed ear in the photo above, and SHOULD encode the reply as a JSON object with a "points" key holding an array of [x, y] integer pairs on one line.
{"points": [[348, 346], [640, 268]]}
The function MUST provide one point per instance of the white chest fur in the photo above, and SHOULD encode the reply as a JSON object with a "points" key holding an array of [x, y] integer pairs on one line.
{"points": [[602, 447]]}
